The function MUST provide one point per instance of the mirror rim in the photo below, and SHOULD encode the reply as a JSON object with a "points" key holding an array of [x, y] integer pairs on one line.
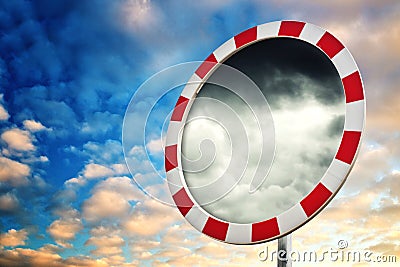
{"points": [[338, 170]]}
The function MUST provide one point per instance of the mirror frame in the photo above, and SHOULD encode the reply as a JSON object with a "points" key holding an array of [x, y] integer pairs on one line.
{"points": [[331, 181]]}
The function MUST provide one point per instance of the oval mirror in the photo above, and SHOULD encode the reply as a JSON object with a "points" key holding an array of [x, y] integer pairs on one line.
{"points": [[266, 132]]}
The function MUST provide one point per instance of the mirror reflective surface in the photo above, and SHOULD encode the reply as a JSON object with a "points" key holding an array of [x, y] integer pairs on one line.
{"points": [[303, 107]]}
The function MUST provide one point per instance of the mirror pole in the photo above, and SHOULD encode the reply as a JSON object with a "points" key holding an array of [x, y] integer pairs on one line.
{"points": [[284, 250]]}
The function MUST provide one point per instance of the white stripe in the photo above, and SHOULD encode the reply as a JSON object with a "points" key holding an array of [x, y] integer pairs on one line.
{"points": [[174, 181], [268, 30], [331, 182], [311, 33], [173, 132], [239, 233], [197, 218], [355, 116], [225, 50], [291, 218], [344, 63], [339, 169], [191, 87]]}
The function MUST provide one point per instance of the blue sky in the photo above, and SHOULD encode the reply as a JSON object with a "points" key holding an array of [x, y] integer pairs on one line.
{"points": [[68, 70]]}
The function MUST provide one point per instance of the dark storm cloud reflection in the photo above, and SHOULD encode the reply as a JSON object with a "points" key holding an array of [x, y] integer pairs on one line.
{"points": [[289, 68], [304, 92]]}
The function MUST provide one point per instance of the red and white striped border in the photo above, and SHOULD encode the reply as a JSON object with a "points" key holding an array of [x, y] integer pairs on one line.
{"points": [[333, 178]]}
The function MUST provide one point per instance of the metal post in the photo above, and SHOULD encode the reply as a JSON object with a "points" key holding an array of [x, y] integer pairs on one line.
{"points": [[284, 250]]}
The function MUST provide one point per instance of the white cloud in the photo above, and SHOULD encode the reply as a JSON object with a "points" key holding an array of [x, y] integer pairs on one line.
{"points": [[137, 151], [213, 248], [13, 172], [43, 159], [34, 126], [139, 14], [93, 170], [155, 146], [145, 174], [3, 113], [364, 227], [76, 180], [120, 169], [150, 218], [95, 126], [109, 151], [18, 139], [13, 238], [105, 204], [110, 199], [304, 141], [48, 255], [384, 118], [106, 245], [9, 202], [43, 257], [123, 185], [138, 161], [65, 228]]}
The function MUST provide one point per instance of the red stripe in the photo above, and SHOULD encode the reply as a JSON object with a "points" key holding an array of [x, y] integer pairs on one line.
{"points": [[315, 199], [206, 66], [216, 229], [348, 146], [291, 28], [246, 37], [353, 87], [330, 45], [183, 201], [264, 230], [171, 159], [179, 108]]}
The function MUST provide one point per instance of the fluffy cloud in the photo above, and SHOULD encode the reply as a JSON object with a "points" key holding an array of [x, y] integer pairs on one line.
{"points": [[385, 117], [96, 126], [108, 242], [13, 172], [3, 113], [138, 14], [18, 139], [65, 229], [367, 219], [149, 218], [8, 202], [193, 248], [13, 238], [110, 199], [93, 170], [106, 245], [155, 146], [109, 151], [47, 255], [33, 126], [105, 204]]}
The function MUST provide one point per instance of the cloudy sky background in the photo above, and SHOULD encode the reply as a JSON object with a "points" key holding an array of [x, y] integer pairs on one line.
{"points": [[68, 70]]}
